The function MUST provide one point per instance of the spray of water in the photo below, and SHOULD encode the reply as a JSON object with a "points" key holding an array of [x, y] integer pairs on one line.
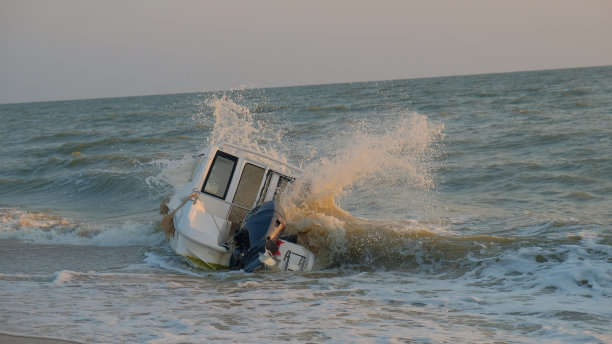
{"points": [[236, 124], [392, 155], [402, 152], [231, 123]]}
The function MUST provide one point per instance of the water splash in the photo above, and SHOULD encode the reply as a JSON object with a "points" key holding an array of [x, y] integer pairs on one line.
{"points": [[399, 157], [231, 123], [402, 154], [170, 172], [236, 124]]}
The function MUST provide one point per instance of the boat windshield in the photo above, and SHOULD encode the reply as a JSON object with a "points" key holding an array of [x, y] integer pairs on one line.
{"points": [[220, 175]]}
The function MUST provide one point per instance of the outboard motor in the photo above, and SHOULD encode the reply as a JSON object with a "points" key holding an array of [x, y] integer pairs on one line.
{"points": [[258, 233]]}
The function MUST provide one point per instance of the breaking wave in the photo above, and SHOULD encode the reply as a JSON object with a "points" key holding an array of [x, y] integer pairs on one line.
{"points": [[41, 227], [366, 160]]}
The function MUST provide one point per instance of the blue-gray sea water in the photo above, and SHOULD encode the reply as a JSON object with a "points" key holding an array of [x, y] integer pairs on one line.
{"points": [[471, 209]]}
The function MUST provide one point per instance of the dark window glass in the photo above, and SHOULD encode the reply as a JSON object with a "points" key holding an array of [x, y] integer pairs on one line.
{"points": [[282, 185], [220, 175], [248, 185]]}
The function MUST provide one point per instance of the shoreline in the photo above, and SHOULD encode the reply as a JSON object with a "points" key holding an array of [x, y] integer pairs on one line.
{"points": [[6, 338]]}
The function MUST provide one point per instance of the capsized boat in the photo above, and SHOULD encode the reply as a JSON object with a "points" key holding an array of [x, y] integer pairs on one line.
{"points": [[227, 214]]}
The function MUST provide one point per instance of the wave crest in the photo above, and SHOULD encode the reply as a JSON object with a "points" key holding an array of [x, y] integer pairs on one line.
{"points": [[45, 228]]}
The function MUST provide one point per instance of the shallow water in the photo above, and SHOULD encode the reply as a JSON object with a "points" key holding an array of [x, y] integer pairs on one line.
{"points": [[460, 209]]}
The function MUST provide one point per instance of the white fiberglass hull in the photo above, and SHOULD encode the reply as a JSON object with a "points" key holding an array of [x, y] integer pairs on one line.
{"points": [[201, 255], [198, 235]]}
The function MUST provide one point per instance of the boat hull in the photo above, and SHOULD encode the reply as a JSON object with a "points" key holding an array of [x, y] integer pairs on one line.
{"points": [[201, 255], [198, 235]]}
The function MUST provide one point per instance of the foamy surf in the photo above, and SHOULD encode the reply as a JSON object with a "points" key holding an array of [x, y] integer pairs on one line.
{"points": [[45, 228]]}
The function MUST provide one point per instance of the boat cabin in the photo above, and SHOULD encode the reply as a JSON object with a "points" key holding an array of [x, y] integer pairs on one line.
{"points": [[231, 180]]}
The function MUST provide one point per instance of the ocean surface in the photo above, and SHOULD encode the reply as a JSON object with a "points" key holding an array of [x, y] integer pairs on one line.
{"points": [[472, 209]]}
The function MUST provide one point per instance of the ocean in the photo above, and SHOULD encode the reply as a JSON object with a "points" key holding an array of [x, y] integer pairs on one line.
{"points": [[471, 209]]}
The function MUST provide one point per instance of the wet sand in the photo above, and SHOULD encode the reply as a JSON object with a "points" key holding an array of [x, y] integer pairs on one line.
{"points": [[14, 339]]}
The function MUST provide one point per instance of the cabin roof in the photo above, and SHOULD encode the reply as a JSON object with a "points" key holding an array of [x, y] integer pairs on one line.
{"points": [[256, 156]]}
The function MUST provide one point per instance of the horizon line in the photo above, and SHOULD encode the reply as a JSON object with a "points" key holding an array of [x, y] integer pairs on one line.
{"points": [[240, 88]]}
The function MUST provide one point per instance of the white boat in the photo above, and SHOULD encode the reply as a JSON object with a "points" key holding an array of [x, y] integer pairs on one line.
{"points": [[229, 184]]}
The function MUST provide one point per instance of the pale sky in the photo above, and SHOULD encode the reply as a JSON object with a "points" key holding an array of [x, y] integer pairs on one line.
{"points": [[59, 49]]}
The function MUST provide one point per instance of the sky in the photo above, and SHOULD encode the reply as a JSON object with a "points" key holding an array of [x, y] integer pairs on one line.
{"points": [[64, 49]]}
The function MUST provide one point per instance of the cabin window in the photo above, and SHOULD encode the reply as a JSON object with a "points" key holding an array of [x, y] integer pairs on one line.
{"points": [[246, 194], [282, 185], [274, 186], [220, 175], [249, 184]]}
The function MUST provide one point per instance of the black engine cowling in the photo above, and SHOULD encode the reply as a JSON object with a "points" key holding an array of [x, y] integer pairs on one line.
{"points": [[258, 232]]}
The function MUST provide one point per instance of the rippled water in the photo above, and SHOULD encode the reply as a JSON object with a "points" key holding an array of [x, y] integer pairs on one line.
{"points": [[460, 209]]}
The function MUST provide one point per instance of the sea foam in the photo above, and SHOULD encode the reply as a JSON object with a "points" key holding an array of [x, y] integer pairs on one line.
{"points": [[45, 228]]}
